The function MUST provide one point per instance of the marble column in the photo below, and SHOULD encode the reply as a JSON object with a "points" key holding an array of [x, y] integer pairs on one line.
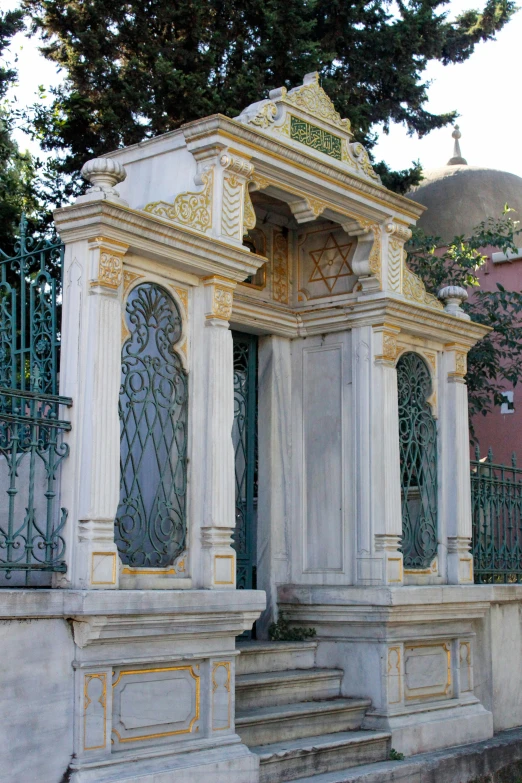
{"points": [[455, 502], [218, 558], [377, 462], [275, 450], [90, 374]]}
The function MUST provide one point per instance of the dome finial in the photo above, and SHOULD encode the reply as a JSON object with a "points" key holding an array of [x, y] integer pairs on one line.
{"points": [[457, 159]]}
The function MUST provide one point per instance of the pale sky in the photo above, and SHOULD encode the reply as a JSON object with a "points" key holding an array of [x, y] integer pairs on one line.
{"points": [[486, 91]]}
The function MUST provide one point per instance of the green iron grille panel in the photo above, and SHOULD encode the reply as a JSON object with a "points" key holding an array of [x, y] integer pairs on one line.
{"points": [[315, 137], [244, 437], [151, 518], [418, 459], [496, 503], [31, 422]]}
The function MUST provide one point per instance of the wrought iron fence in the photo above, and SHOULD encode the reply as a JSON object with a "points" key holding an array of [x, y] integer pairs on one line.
{"points": [[496, 501], [31, 429]]}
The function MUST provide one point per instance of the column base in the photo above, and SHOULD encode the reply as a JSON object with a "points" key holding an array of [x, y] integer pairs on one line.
{"points": [[460, 561]]}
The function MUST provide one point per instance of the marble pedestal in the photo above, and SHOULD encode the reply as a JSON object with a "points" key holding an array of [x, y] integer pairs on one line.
{"points": [[134, 685], [410, 649]]}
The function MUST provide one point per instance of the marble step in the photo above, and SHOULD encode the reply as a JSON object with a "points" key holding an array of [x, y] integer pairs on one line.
{"points": [[291, 759], [261, 726], [269, 689], [274, 656]]}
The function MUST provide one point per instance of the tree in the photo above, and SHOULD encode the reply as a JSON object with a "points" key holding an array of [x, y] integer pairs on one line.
{"points": [[138, 68], [17, 169], [497, 358]]}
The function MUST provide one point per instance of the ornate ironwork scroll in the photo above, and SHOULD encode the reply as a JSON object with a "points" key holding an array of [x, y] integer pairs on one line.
{"points": [[244, 436], [151, 519], [496, 503], [418, 455]]}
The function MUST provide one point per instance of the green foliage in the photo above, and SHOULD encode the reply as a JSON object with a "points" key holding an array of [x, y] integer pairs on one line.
{"points": [[496, 360], [138, 68], [281, 631], [16, 168], [399, 181], [396, 756], [26, 185]]}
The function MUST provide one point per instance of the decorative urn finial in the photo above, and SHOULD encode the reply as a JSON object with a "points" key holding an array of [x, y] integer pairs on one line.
{"points": [[452, 296], [457, 159], [103, 174]]}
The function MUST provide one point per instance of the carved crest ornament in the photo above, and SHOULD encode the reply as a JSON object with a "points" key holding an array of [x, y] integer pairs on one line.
{"points": [[303, 118], [306, 115]]}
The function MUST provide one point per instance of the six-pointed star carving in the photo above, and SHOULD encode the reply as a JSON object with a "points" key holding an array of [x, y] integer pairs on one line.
{"points": [[331, 262]]}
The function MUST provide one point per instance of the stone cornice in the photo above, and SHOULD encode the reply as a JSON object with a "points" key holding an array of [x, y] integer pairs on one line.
{"points": [[218, 125], [408, 317], [157, 239], [23, 604], [365, 607]]}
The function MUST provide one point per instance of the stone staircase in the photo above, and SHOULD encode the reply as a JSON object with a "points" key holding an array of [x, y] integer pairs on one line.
{"points": [[292, 715]]}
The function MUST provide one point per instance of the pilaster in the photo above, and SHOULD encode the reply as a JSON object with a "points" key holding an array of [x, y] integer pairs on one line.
{"points": [[377, 461], [455, 479], [275, 449], [218, 558], [90, 372]]}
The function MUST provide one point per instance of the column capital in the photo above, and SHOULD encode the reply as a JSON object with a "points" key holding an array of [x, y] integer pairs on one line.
{"points": [[386, 347], [106, 263], [456, 354], [219, 299]]}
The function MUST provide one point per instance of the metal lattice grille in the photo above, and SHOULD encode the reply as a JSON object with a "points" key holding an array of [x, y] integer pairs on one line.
{"points": [[151, 519], [244, 437], [418, 455], [496, 503], [31, 447]]}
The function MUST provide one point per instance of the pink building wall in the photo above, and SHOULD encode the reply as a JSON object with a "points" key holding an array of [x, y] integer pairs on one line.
{"points": [[501, 431]]}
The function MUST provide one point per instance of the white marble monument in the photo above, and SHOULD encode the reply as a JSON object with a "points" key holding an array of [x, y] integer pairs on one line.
{"points": [[275, 224]]}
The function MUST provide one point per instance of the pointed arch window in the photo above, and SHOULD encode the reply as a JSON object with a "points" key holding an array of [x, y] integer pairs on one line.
{"points": [[418, 456], [150, 526]]}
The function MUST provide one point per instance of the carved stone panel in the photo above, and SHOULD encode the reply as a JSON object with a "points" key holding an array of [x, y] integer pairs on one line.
{"points": [[324, 263], [154, 704], [427, 672]]}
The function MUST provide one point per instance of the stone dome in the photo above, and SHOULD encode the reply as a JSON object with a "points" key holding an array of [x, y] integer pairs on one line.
{"points": [[458, 197]]}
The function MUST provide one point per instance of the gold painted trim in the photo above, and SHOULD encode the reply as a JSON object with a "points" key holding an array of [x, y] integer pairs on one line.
{"points": [[102, 676], [469, 561], [226, 665], [128, 279], [447, 687], [433, 569], [396, 649], [302, 237], [468, 662], [189, 208], [228, 280], [188, 730], [109, 240], [401, 569], [232, 560], [148, 572], [104, 554], [183, 296], [177, 568]]}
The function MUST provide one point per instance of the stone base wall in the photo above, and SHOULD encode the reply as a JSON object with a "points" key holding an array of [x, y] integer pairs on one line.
{"points": [[37, 686], [107, 685]]}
